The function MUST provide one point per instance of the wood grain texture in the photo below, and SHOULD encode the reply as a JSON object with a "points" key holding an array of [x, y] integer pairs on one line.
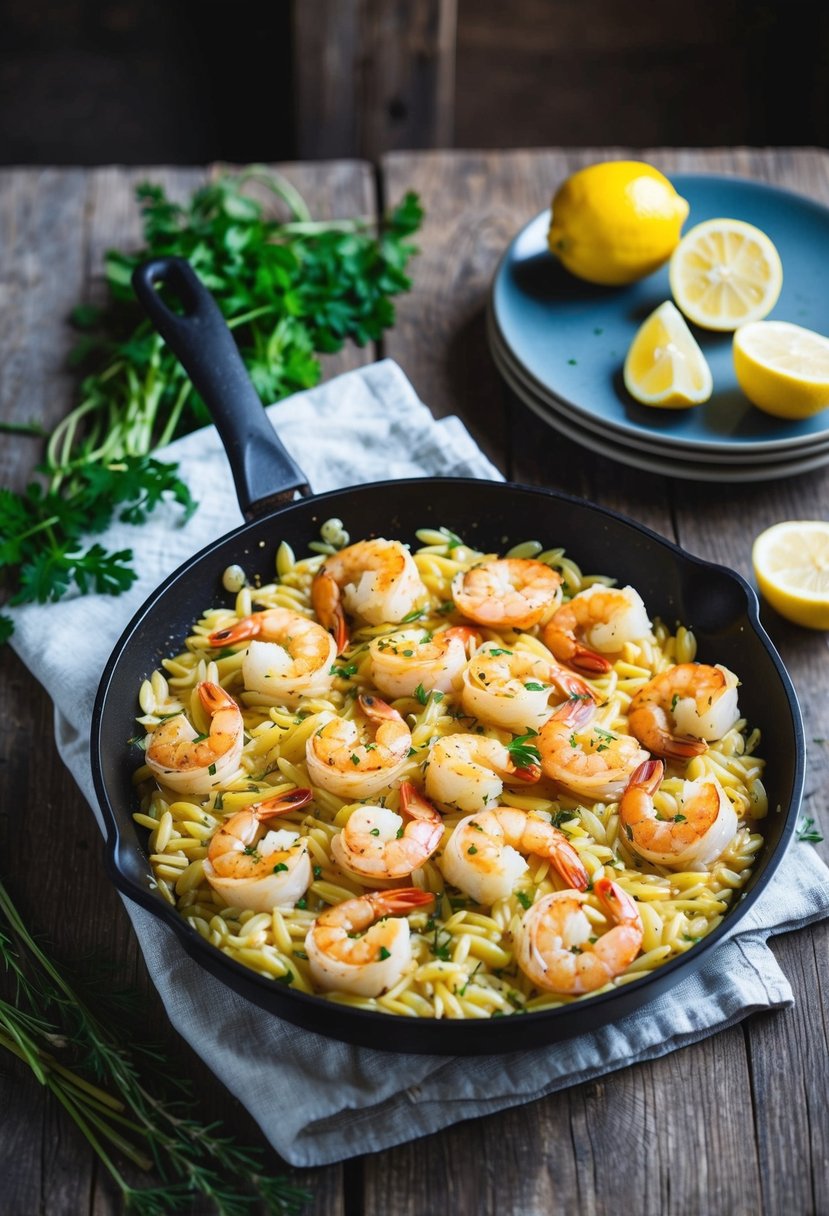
{"points": [[55, 227], [373, 75]]}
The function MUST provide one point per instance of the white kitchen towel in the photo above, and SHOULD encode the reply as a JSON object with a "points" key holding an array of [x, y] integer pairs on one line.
{"points": [[315, 1099]]}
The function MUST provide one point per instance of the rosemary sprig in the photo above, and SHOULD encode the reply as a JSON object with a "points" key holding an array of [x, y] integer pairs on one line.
{"points": [[141, 1124]]}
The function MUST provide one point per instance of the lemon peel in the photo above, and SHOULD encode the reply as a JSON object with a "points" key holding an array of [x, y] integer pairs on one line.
{"points": [[664, 365], [791, 565], [615, 222], [782, 368]]}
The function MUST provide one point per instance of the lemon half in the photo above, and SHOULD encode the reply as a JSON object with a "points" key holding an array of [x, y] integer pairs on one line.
{"points": [[615, 222], [791, 564], [782, 368], [725, 273], [665, 365]]}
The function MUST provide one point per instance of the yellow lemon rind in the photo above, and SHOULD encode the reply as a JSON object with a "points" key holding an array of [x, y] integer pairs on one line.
{"points": [[775, 390], [793, 602]]}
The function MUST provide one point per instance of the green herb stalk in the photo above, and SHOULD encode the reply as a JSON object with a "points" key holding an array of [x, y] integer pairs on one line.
{"points": [[129, 1119]]}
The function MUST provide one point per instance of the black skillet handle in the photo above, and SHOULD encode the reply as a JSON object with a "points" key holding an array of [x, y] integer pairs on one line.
{"points": [[265, 475]]}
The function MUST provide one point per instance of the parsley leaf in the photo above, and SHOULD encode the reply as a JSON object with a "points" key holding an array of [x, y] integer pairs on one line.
{"points": [[523, 753]]}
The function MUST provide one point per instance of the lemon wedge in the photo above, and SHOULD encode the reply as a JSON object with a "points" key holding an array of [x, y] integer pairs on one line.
{"points": [[615, 222], [664, 365], [791, 564], [725, 273], [782, 368]]}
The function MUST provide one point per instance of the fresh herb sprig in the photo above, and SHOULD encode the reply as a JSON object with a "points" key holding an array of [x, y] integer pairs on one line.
{"points": [[290, 289], [523, 753], [131, 1118]]}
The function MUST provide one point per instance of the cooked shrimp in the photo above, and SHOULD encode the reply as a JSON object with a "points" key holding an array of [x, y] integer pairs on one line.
{"points": [[338, 760], [375, 844], [696, 835], [483, 856], [374, 580], [513, 688], [597, 619], [190, 763], [372, 963], [292, 660], [700, 701], [587, 761], [253, 868], [402, 661], [508, 592], [557, 948], [467, 772]]}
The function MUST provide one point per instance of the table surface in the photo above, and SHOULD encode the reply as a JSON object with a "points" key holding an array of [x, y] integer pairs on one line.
{"points": [[734, 1124]]}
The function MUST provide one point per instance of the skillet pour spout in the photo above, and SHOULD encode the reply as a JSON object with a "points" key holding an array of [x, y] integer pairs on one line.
{"points": [[713, 601]]}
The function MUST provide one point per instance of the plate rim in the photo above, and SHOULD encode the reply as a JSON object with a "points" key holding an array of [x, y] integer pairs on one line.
{"points": [[749, 446]]}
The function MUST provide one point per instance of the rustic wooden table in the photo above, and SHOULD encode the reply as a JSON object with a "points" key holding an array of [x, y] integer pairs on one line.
{"points": [[736, 1124]]}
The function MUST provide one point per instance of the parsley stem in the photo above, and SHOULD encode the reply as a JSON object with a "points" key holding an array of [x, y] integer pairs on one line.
{"points": [[24, 428]]}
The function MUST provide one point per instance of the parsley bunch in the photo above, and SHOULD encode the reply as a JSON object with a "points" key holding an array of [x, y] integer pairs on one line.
{"points": [[290, 289]]}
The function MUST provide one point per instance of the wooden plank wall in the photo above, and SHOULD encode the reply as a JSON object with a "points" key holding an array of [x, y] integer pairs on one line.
{"points": [[373, 76]]}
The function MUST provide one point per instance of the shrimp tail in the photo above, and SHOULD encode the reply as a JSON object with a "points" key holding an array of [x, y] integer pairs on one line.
{"points": [[570, 866], [377, 710], [572, 686], [399, 901], [327, 604], [529, 773], [647, 777], [242, 631], [282, 804], [413, 804], [589, 662], [214, 698]]}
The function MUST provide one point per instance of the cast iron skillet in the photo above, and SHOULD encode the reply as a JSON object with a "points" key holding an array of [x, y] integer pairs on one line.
{"points": [[719, 606]]}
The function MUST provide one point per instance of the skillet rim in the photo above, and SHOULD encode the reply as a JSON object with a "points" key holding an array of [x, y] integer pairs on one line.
{"points": [[452, 1037]]}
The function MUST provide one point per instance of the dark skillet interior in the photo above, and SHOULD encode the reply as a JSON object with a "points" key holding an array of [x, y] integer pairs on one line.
{"points": [[717, 604]]}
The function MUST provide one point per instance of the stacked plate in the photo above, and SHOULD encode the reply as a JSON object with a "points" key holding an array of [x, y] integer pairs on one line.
{"points": [[560, 344]]}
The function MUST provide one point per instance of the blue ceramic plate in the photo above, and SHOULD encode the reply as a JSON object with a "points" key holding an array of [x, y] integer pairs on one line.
{"points": [[639, 457], [570, 337]]}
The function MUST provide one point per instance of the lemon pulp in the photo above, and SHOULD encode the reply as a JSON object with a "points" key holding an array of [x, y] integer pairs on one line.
{"points": [[782, 368], [615, 222], [664, 365], [791, 564], [725, 273]]}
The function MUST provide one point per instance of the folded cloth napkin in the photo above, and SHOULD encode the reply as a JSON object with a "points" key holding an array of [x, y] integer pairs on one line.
{"points": [[315, 1099]]}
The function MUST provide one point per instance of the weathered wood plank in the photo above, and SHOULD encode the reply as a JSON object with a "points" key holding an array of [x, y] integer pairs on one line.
{"points": [[372, 75], [56, 226]]}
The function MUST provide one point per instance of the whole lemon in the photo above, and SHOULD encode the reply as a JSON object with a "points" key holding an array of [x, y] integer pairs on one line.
{"points": [[615, 222]]}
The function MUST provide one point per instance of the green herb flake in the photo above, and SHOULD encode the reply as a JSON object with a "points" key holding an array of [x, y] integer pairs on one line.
{"points": [[534, 686], [807, 832], [384, 954], [279, 867], [421, 694], [472, 849]]}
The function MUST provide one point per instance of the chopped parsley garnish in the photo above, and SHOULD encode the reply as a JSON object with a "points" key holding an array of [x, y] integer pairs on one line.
{"points": [[250, 850], [317, 871], [499, 650], [302, 903], [414, 615], [421, 694], [534, 686], [279, 867], [354, 759], [674, 701], [374, 832], [212, 770], [807, 832], [523, 753], [524, 899], [472, 849], [345, 673], [384, 953]]}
